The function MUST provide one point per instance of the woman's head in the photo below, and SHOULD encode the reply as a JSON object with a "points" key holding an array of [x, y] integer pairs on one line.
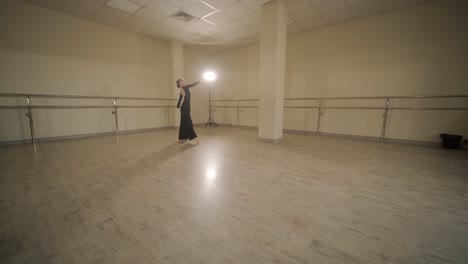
{"points": [[180, 82]]}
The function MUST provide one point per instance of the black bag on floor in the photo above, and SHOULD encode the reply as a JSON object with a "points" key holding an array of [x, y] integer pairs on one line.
{"points": [[451, 141]]}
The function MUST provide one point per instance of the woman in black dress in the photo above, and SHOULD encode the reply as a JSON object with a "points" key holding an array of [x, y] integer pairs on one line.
{"points": [[186, 126]]}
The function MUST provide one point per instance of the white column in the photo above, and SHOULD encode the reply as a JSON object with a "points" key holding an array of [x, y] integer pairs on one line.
{"points": [[177, 50], [272, 71]]}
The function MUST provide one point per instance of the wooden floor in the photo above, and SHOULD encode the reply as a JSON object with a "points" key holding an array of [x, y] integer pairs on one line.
{"points": [[232, 199]]}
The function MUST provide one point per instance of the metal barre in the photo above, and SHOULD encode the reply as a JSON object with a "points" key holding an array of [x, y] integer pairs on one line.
{"points": [[394, 108], [302, 99], [80, 106], [233, 100], [81, 96], [316, 107], [386, 108], [114, 106], [397, 97], [320, 100]]}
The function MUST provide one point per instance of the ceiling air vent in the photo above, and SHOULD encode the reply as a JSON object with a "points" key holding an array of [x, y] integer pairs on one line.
{"points": [[182, 16]]}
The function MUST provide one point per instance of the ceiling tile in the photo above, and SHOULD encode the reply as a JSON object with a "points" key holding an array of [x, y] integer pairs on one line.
{"points": [[176, 34], [249, 20], [304, 13], [148, 14], [218, 18], [216, 31], [157, 29], [330, 6], [124, 6], [256, 27], [294, 28], [219, 4], [196, 26], [300, 5], [205, 37], [289, 3], [308, 22], [366, 9], [360, 2], [314, 2], [245, 33], [232, 26], [254, 4], [182, 3], [51, 4], [110, 16], [83, 8], [166, 24], [199, 9], [132, 28], [138, 2], [390, 5], [137, 22], [236, 10], [163, 7], [337, 16]]}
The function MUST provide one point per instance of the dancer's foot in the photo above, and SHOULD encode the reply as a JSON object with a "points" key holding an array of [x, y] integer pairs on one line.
{"points": [[182, 141], [196, 141]]}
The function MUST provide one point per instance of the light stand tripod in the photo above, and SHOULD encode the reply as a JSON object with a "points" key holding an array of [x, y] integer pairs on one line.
{"points": [[210, 121]]}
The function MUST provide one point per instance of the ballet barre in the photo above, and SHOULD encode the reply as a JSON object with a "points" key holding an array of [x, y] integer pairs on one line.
{"points": [[114, 106]]}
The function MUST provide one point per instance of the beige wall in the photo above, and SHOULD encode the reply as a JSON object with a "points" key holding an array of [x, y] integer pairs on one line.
{"points": [[421, 50], [418, 51], [43, 51]]}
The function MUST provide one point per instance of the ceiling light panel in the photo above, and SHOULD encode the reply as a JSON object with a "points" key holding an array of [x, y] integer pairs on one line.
{"points": [[219, 4], [199, 9], [218, 18]]}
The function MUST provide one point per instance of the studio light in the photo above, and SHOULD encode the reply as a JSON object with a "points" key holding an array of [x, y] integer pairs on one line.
{"points": [[209, 76]]}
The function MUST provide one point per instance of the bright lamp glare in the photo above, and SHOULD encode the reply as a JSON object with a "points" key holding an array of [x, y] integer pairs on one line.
{"points": [[209, 76], [210, 174]]}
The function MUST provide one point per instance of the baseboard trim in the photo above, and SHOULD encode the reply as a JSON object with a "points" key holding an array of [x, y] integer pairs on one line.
{"points": [[235, 126], [70, 137], [367, 138], [357, 137]]}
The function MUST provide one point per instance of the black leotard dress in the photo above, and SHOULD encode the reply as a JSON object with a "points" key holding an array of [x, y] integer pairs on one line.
{"points": [[186, 126]]}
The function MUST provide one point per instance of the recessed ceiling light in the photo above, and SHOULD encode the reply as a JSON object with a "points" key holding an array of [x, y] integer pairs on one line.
{"points": [[124, 5]]}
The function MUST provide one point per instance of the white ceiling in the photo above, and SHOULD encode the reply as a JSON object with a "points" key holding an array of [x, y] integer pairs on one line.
{"points": [[217, 22]]}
